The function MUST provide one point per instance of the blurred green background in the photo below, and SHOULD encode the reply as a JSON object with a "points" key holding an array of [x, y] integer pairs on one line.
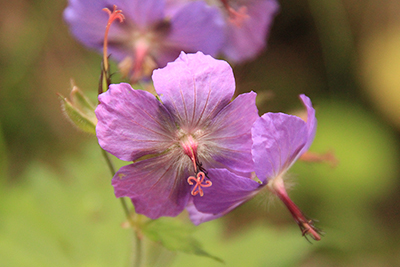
{"points": [[57, 206]]}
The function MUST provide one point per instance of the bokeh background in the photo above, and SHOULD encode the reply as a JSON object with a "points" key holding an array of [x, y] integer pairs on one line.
{"points": [[57, 206]]}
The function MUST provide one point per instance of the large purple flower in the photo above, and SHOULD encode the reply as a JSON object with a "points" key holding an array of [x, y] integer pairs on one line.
{"points": [[173, 142], [148, 34], [278, 141]]}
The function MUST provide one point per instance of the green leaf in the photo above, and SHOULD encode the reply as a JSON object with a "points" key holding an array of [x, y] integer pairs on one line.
{"points": [[256, 245], [175, 236], [68, 218]]}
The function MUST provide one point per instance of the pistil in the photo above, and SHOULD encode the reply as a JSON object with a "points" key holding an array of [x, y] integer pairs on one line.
{"points": [[189, 146], [198, 181]]}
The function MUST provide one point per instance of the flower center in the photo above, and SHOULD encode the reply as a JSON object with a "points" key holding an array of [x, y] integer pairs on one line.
{"points": [[190, 145], [146, 42]]}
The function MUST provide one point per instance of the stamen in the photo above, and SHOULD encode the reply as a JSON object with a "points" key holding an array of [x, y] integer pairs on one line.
{"points": [[198, 181]]}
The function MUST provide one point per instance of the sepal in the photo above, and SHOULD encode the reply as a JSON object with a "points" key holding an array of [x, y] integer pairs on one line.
{"points": [[79, 110]]}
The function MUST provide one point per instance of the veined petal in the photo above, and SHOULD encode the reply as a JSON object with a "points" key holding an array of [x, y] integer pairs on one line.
{"points": [[156, 186], [229, 140], [228, 191], [194, 88], [198, 217], [132, 123], [245, 41], [185, 34], [279, 139]]}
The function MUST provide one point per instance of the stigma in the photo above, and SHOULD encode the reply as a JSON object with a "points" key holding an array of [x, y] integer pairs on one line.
{"points": [[199, 183], [190, 146]]}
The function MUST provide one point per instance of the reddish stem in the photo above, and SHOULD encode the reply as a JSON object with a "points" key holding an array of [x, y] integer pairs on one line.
{"points": [[306, 225]]}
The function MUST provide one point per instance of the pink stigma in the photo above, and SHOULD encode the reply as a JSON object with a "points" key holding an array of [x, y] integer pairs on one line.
{"points": [[198, 181]]}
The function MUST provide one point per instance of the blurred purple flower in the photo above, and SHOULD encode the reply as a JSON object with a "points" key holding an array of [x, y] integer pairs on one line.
{"points": [[278, 141], [174, 141], [246, 25], [149, 34]]}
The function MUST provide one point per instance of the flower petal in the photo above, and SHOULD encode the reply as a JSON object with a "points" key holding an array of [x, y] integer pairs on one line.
{"points": [[185, 34], [311, 122], [245, 41], [142, 13], [229, 138], [88, 21], [278, 140], [132, 123], [198, 217], [194, 88], [228, 191], [156, 186]]}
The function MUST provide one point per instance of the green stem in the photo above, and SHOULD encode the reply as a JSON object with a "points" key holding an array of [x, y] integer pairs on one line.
{"points": [[112, 170], [109, 162], [138, 253], [138, 259], [126, 209]]}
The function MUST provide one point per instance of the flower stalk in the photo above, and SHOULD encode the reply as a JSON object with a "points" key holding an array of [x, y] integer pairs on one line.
{"points": [[306, 225]]}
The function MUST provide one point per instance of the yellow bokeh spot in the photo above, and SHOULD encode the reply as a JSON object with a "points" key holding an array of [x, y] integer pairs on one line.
{"points": [[380, 70]]}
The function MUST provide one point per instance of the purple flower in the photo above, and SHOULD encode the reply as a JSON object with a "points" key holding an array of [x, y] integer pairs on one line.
{"points": [[246, 25], [148, 34], [278, 141], [173, 142]]}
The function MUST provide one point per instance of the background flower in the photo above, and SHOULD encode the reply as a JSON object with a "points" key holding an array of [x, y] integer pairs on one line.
{"points": [[148, 34], [246, 25]]}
